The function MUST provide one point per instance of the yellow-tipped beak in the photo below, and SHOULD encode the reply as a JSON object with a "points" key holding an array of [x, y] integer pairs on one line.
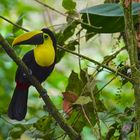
{"points": [[30, 38]]}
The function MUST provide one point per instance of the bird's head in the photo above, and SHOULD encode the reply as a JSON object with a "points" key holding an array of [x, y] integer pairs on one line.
{"points": [[35, 38]]}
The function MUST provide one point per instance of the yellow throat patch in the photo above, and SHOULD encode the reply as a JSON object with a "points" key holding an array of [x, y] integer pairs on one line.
{"points": [[45, 54]]}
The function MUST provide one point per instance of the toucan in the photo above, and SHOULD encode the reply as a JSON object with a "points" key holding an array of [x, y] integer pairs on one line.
{"points": [[40, 61]]}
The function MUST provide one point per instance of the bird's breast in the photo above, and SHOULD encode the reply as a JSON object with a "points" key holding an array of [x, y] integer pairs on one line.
{"points": [[44, 54]]}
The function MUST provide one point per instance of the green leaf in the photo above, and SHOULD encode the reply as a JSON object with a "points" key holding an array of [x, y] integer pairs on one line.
{"points": [[100, 106], [83, 76], [19, 22], [89, 34], [44, 123], [111, 131], [31, 121], [82, 100], [74, 84], [107, 17], [63, 36], [59, 38], [17, 131], [71, 45], [69, 4], [90, 113], [79, 121], [71, 15], [69, 30], [10, 37], [59, 55]]}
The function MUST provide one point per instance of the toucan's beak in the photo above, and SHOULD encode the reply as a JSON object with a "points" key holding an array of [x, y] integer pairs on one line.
{"points": [[30, 38]]}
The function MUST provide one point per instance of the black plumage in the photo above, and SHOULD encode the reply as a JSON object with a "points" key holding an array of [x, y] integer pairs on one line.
{"points": [[18, 105]]}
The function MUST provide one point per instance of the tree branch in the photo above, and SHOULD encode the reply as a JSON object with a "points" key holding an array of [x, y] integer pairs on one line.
{"points": [[133, 55], [18, 26], [96, 62], [43, 93]]}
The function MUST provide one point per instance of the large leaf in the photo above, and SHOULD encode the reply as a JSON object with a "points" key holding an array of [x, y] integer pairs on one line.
{"points": [[68, 99], [69, 4], [108, 18], [74, 84], [82, 100]]}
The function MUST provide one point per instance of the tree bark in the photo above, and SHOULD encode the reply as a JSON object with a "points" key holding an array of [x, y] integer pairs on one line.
{"points": [[133, 56]]}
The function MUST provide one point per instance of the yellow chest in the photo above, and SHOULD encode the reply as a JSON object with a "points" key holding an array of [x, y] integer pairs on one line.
{"points": [[45, 54]]}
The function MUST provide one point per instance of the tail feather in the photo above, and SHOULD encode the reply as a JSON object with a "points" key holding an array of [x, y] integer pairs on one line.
{"points": [[18, 105]]}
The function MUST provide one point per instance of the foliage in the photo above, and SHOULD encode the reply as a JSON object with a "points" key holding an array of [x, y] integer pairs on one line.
{"points": [[96, 102], [99, 15], [69, 4]]}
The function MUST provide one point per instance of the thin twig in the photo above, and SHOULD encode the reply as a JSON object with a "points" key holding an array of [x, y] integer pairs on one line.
{"points": [[86, 117], [106, 61], [18, 26], [88, 120], [96, 62], [79, 59], [91, 83], [55, 25], [57, 11], [105, 85]]}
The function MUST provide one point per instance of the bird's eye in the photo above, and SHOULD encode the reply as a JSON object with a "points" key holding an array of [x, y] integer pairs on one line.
{"points": [[45, 36]]}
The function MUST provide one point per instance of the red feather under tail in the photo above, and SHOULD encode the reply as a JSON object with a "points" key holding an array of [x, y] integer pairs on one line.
{"points": [[18, 105]]}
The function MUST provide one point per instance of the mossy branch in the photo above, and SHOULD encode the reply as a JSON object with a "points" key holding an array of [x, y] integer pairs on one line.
{"points": [[43, 93], [133, 55]]}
